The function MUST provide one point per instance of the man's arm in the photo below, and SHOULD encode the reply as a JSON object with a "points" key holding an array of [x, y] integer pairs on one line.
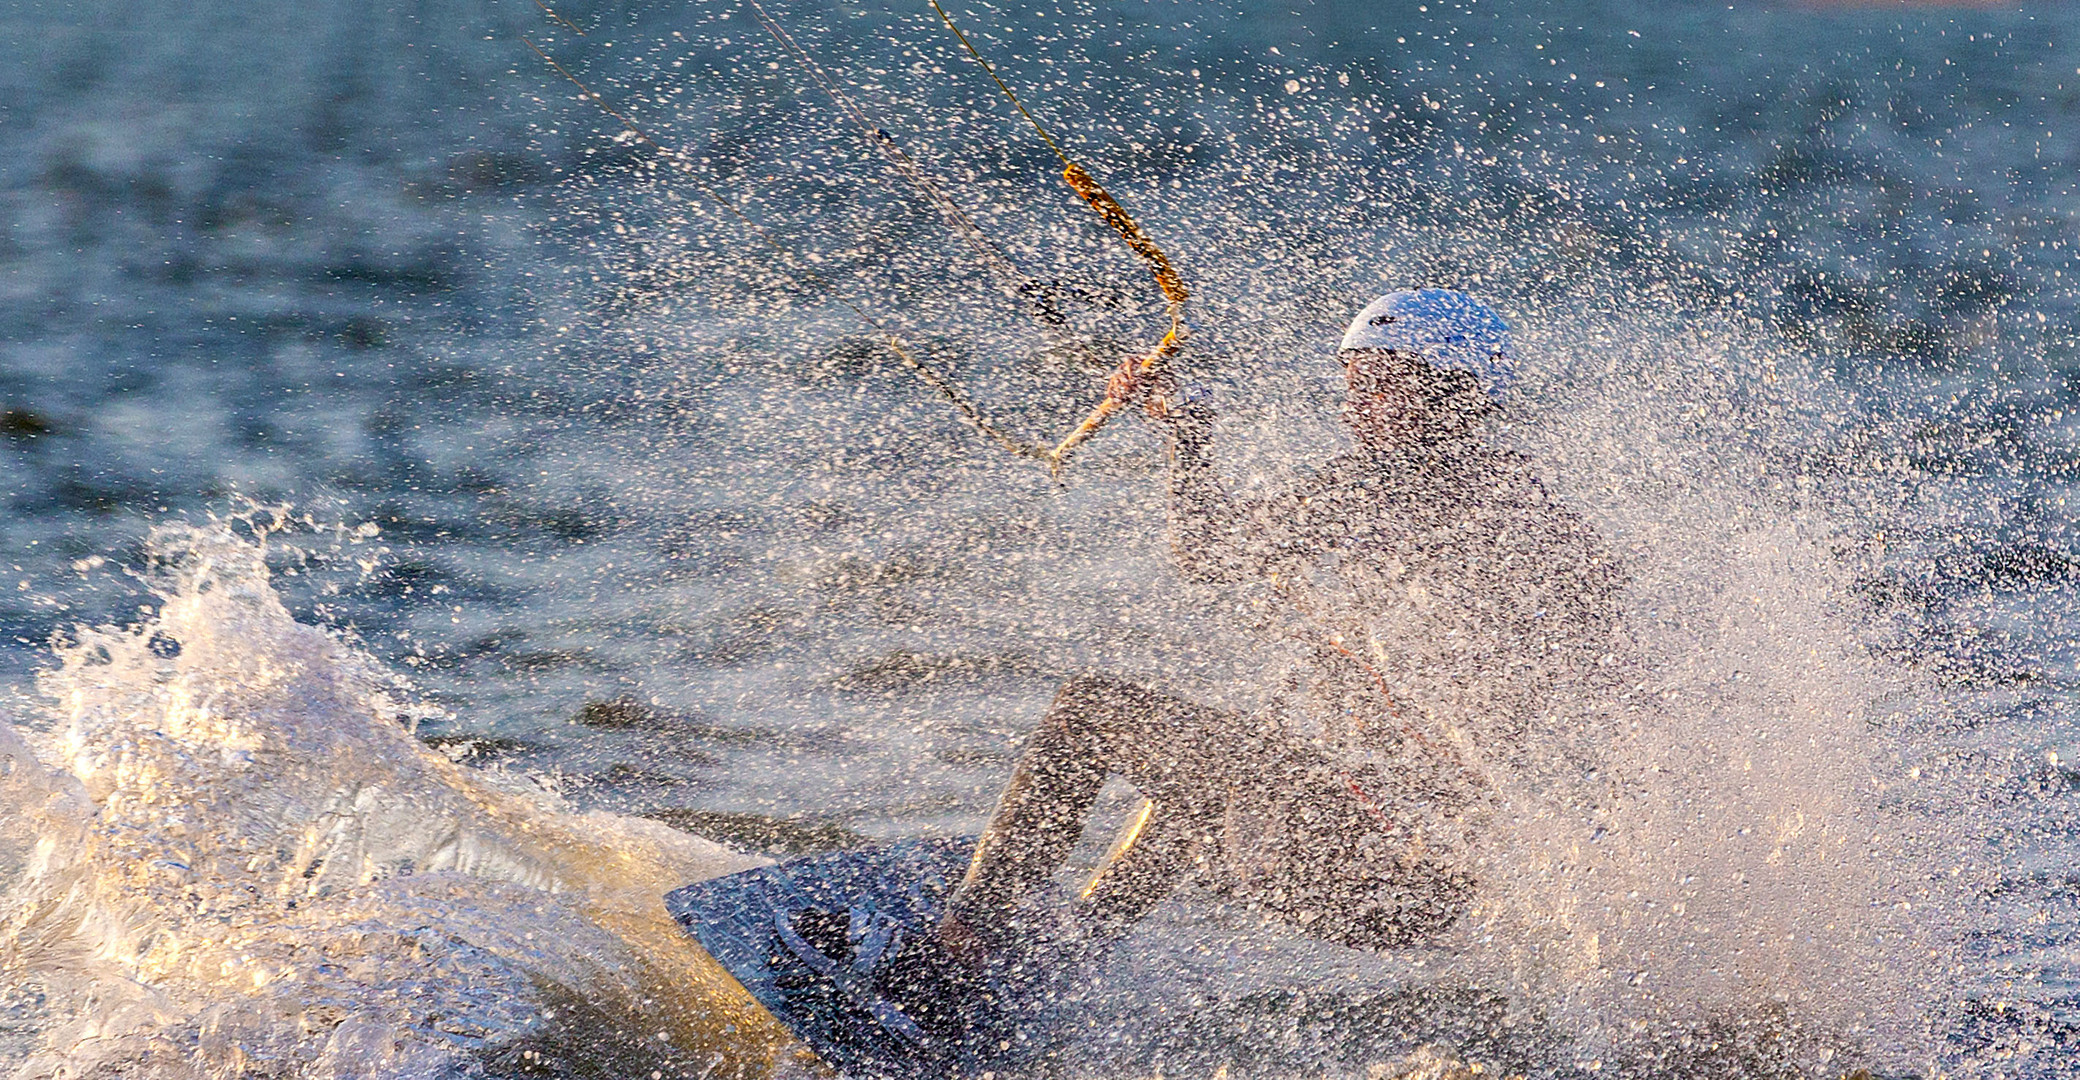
{"points": [[1202, 516], [1214, 538]]}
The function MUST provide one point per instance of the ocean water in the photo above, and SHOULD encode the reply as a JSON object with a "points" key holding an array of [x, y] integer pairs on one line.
{"points": [[437, 529]]}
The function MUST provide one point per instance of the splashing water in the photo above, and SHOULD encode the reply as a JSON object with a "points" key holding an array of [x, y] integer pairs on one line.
{"points": [[672, 533], [243, 864], [228, 851], [1738, 876]]}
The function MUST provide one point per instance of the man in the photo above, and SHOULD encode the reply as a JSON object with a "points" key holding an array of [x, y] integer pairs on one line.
{"points": [[1436, 604]]}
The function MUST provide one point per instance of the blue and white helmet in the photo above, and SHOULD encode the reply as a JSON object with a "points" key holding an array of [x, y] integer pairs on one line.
{"points": [[1449, 329]]}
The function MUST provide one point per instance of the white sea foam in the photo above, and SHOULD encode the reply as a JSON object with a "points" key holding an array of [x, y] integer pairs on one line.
{"points": [[1729, 855], [229, 857]]}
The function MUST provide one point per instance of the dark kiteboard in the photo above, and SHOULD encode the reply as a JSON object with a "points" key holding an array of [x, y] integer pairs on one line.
{"points": [[840, 949]]}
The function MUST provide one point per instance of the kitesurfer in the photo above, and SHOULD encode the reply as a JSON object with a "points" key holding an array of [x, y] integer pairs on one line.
{"points": [[1435, 603]]}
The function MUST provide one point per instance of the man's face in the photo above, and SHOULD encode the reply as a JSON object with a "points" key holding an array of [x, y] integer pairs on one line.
{"points": [[1398, 399]]}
